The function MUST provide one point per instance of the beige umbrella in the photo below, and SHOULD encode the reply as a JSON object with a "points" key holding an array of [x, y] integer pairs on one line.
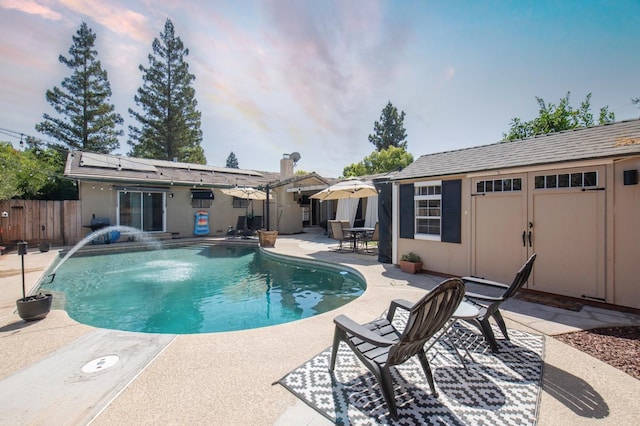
{"points": [[350, 188], [245, 193]]}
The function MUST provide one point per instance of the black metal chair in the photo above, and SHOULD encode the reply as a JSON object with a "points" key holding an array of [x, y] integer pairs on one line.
{"points": [[488, 296], [240, 229], [373, 237], [379, 345]]}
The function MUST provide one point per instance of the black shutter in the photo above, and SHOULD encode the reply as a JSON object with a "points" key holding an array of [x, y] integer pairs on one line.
{"points": [[451, 211], [407, 211]]}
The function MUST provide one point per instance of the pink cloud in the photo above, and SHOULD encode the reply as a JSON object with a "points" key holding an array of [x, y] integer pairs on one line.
{"points": [[31, 7], [113, 16]]}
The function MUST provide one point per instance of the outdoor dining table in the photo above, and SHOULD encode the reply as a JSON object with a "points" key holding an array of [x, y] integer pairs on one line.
{"points": [[358, 233]]}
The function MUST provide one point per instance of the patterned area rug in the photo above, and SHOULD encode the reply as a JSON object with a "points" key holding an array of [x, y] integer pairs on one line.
{"points": [[497, 389]]}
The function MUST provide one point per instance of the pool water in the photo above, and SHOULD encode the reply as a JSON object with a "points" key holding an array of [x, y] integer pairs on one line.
{"points": [[198, 289]]}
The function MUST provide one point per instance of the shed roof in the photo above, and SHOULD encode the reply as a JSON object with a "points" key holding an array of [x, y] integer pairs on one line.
{"points": [[603, 141]]}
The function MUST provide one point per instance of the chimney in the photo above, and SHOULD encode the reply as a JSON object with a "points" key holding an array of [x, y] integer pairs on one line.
{"points": [[286, 167]]}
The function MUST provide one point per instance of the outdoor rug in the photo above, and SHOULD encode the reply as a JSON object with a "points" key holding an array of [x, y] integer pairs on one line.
{"points": [[498, 389]]}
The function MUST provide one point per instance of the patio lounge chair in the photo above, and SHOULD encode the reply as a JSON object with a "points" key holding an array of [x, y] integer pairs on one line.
{"points": [[379, 345], [256, 225], [240, 229], [337, 234], [489, 295]]}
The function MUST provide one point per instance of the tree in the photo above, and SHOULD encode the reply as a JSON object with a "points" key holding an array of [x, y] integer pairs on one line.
{"points": [[232, 161], [170, 123], [88, 121], [555, 118], [389, 131], [33, 174], [383, 161]]}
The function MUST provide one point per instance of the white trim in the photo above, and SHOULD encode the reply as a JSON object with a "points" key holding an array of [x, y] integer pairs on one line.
{"points": [[427, 237]]}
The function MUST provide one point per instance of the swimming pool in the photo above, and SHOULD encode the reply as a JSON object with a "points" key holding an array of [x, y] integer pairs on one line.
{"points": [[199, 289]]}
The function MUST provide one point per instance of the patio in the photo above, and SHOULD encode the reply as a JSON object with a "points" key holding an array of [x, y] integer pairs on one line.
{"points": [[227, 378]]}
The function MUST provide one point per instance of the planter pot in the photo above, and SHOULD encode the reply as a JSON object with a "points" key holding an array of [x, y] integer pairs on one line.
{"points": [[410, 267], [33, 308], [44, 247], [267, 238]]}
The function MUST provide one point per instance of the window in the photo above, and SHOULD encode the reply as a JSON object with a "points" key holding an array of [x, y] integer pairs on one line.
{"points": [[201, 204], [499, 185], [240, 203], [428, 203], [566, 180], [201, 199], [141, 210], [431, 210]]}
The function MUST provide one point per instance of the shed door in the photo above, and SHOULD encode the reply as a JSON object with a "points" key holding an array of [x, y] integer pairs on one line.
{"points": [[499, 208], [559, 214], [567, 211]]}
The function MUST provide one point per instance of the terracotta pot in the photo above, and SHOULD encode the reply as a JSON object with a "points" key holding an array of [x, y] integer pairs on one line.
{"points": [[410, 267], [267, 238]]}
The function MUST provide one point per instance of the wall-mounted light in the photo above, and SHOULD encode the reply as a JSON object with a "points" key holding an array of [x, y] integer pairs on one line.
{"points": [[630, 177], [171, 195], [5, 214]]}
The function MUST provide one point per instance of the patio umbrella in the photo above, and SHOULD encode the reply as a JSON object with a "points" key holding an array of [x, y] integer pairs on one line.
{"points": [[245, 193], [351, 188]]}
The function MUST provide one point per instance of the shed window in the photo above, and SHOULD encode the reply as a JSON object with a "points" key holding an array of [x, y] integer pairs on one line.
{"points": [[435, 211], [566, 180]]}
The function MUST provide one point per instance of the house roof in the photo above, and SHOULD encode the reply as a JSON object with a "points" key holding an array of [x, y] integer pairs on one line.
{"points": [[110, 168], [603, 141]]}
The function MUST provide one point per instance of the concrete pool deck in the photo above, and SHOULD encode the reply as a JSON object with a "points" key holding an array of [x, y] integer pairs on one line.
{"points": [[227, 378]]}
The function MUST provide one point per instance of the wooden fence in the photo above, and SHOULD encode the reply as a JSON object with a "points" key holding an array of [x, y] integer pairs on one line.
{"points": [[39, 221]]}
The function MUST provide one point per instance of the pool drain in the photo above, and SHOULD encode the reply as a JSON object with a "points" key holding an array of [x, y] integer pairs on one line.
{"points": [[100, 364]]}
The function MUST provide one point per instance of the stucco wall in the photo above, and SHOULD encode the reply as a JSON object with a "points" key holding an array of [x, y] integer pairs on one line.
{"points": [[101, 201]]}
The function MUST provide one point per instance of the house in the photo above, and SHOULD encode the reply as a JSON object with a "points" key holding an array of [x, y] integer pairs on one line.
{"points": [[571, 197], [164, 197]]}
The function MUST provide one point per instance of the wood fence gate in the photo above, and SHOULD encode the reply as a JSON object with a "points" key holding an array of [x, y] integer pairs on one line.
{"points": [[40, 221]]}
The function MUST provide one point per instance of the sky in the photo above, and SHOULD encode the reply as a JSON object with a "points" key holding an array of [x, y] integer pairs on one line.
{"points": [[280, 76]]}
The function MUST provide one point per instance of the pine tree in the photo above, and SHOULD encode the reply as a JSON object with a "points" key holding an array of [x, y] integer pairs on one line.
{"points": [[87, 120], [232, 161], [389, 131], [170, 123]]}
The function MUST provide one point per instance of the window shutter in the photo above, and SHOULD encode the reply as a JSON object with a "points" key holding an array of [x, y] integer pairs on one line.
{"points": [[451, 211], [407, 211]]}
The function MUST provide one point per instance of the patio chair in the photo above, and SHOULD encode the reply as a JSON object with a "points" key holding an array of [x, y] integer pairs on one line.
{"points": [[488, 296], [257, 224], [373, 237], [379, 345], [240, 229], [337, 234]]}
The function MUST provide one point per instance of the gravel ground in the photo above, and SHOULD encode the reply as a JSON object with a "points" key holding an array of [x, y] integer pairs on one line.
{"points": [[617, 346]]}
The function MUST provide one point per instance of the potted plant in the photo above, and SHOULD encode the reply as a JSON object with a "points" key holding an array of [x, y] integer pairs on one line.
{"points": [[267, 238], [410, 262], [35, 307]]}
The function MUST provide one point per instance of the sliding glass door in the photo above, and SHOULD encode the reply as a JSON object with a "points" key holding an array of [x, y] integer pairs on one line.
{"points": [[141, 210]]}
